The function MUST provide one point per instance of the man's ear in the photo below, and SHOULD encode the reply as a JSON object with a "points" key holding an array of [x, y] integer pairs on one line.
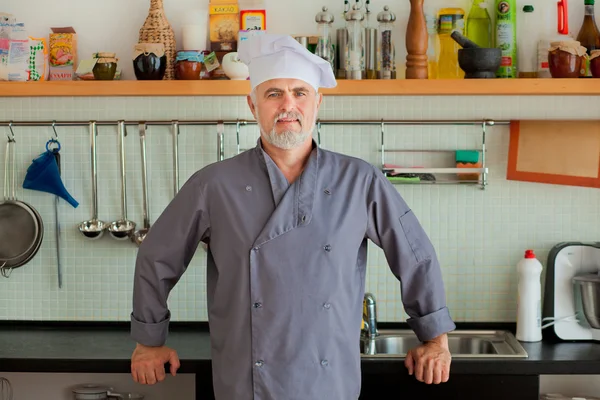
{"points": [[320, 100], [251, 105]]}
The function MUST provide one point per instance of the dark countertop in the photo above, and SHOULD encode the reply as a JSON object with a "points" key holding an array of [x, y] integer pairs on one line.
{"points": [[107, 347]]}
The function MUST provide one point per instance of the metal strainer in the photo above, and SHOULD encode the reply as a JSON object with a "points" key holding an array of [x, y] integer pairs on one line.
{"points": [[21, 227]]}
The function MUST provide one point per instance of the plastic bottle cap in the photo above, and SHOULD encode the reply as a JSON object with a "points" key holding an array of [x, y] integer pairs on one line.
{"points": [[529, 254], [528, 8]]}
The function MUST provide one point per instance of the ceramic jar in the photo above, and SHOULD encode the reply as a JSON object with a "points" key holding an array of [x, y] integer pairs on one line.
{"points": [[234, 68], [105, 67], [188, 65], [566, 59], [149, 61]]}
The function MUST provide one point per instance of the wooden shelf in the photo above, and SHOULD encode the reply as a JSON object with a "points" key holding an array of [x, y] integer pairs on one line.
{"points": [[400, 87]]}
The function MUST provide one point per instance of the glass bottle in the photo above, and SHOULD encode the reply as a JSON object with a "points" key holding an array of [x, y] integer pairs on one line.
{"points": [[589, 36], [433, 46], [324, 48], [386, 54], [479, 24], [450, 19], [355, 58]]}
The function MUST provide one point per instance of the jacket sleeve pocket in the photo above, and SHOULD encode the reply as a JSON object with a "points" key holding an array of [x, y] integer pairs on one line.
{"points": [[416, 237]]}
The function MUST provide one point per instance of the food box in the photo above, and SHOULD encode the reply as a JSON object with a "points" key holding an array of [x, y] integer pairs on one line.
{"points": [[224, 25], [62, 56]]}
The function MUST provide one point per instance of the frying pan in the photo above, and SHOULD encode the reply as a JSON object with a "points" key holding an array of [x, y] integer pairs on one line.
{"points": [[21, 226]]}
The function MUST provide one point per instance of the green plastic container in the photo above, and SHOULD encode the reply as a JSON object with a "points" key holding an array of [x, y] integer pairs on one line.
{"points": [[506, 37]]}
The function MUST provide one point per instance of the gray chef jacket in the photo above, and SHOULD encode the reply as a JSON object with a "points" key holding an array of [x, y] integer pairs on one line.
{"points": [[286, 271]]}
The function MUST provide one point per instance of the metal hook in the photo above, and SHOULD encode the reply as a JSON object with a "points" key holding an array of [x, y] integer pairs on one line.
{"points": [[382, 144], [237, 134], [54, 129], [12, 133], [220, 141]]}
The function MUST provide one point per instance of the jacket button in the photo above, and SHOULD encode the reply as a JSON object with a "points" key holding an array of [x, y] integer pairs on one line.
{"points": [[327, 306], [255, 249], [248, 188], [257, 305], [327, 247], [324, 363], [259, 363]]}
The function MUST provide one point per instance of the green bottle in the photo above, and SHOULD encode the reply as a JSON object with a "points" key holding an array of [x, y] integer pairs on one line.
{"points": [[506, 37], [479, 25]]}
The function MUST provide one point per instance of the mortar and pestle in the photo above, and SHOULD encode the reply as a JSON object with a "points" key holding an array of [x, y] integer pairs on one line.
{"points": [[477, 62]]}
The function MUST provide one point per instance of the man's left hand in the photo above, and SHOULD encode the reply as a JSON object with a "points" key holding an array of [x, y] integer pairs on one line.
{"points": [[430, 362]]}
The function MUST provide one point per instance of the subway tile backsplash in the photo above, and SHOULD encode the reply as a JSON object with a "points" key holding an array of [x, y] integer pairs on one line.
{"points": [[479, 235]]}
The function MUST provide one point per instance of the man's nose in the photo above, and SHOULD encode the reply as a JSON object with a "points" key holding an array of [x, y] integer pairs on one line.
{"points": [[288, 102]]}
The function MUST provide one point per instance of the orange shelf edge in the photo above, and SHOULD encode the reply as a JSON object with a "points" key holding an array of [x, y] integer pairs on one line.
{"points": [[399, 87]]}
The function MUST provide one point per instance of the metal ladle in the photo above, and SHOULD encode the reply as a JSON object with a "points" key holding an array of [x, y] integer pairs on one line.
{"points": [[93, 228], [175, 133], [123, 228], [139, 236]]}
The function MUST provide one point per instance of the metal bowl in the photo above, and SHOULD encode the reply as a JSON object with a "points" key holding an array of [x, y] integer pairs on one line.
{"points": [[590, 297]]}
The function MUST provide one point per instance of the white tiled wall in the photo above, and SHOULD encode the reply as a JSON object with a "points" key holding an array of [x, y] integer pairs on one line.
{"points": [[480, 235]]}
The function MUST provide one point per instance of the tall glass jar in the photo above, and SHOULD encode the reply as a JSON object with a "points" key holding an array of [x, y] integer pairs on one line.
{"points": [[386, 54], [325, 49], [355, 55]]}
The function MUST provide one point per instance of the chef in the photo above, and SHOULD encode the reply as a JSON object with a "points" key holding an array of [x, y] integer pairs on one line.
{"points": [[287, 225]]}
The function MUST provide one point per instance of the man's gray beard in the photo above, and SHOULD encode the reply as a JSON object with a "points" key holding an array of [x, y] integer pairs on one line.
{"points": [[287, 140]]}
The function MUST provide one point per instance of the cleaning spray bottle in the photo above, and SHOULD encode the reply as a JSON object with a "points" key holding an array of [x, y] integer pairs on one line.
{"points": [[529, 300], [506, 37]]}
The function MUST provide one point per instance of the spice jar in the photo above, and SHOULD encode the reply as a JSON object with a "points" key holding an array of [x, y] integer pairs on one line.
{"points": [[595, 63], [105, 67], [188, 65], [355, 53], [325, 49], [566, 59], [386, 67]]}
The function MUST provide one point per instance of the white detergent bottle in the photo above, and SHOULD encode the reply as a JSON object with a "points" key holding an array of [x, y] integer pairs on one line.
{"points": [[529, 301]]}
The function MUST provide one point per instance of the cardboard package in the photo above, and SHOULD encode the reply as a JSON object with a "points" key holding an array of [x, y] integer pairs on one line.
{"points": [[63, 54], [224, 25]]}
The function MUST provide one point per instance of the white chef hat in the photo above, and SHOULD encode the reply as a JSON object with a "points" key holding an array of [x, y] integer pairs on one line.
{"points": [[271, 56]]}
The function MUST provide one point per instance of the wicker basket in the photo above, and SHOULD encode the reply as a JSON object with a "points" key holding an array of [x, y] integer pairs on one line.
{"points": [[157, 29]]}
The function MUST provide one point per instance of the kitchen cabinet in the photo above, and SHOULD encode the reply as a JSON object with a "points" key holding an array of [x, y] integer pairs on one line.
{"points": [[458, 387]]}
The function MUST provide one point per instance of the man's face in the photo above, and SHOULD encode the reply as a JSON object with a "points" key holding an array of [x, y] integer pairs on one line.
{"points": [[286, 111]]}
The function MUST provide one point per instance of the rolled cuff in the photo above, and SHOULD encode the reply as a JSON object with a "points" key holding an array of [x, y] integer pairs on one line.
{"points": [[432, 325], [150, 334]]}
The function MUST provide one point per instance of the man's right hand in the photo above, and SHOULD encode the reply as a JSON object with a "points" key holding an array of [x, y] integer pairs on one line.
{"points": [[148, 363]]}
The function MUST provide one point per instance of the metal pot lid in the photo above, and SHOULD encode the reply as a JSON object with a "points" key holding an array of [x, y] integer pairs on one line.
{"points": [[354, 14], [386, 15], [324, 17], [91, 389], [595, 278]]}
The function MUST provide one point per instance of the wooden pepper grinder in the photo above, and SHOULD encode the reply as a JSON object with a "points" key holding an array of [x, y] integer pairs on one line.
{"points": [[416, 42]]}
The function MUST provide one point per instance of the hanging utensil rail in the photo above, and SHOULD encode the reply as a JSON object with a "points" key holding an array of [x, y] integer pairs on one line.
{"points": [[220, 124], [488, 122]]}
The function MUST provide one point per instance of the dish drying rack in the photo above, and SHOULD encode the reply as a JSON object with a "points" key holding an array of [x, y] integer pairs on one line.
{"points": [[429, 174]]}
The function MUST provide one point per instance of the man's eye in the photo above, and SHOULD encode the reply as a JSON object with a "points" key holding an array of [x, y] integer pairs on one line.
{"points": [[300, 94], [273, 95]]}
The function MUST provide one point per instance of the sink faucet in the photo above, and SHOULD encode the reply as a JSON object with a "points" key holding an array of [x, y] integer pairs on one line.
{"points": [[370, 316]]}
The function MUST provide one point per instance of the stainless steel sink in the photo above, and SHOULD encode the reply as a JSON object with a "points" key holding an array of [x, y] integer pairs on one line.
{"points": [[463, 344]]}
